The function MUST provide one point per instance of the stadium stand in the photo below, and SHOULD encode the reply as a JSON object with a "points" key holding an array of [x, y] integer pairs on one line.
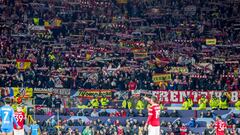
{"points": [[76, 56]]}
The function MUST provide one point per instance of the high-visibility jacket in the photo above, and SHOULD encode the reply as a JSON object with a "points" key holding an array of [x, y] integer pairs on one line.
{"points": [[185, 105], [214, 103], [140, 105], [36, 21], [94, 103], [237, 105], [223, 104], [161, 107], [190, 103], [202, 103], [104, 101], [127, 104]]}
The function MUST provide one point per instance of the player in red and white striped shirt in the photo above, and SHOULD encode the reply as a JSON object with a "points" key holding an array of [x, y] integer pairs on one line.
{"points": [[20, 117], [153, 122]]}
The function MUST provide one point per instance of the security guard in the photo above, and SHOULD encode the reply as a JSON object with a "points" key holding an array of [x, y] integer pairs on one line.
{"points": [[82, 106], [237, 105], [202, 103], [140, 105], [127, 104], [223, 104], [94, 102], [104, 101], [214, 102], [187, 104]]}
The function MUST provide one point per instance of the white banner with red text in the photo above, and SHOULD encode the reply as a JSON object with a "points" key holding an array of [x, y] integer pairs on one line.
{"points": [[169, 97]]}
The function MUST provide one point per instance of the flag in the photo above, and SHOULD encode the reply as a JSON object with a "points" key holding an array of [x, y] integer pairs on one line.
{"points": [[23, 64]]}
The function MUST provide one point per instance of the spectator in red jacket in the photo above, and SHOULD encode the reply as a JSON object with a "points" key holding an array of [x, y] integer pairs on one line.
{"points": [[183, 130]]}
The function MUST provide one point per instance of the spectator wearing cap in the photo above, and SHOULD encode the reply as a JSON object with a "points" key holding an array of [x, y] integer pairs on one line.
{"points": [[104, 101], [237, 104], [202, 102], [214, 102]]}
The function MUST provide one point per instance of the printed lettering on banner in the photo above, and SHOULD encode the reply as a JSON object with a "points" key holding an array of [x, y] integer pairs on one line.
{"points": [[178, 96]]}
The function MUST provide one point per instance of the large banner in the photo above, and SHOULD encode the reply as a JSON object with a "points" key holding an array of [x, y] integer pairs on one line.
{"points": [[161, 77], [178, 96], [170, 97], [56, 91], [89, 93], [14, 91], [182, 70], [23, 91]]}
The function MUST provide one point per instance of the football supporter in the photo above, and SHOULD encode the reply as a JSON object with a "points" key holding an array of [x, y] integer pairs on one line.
{"points": [[20, 117], [153, 122], [220, 126]]}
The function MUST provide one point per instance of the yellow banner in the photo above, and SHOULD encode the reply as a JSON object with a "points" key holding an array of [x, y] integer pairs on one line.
{"points": [[161, 77], [98, 93], [183, 70], [211, 41], [24, 92]]}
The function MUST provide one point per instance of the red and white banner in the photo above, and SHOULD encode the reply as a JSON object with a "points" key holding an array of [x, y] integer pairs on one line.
{"points": [[169, 97], [178, 96]]}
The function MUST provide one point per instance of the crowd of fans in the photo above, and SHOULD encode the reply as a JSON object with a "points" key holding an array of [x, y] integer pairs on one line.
{"points": [[92, 45], [110, 45]]}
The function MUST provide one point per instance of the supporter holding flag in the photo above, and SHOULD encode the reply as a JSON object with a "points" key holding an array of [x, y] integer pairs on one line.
{"points": [[20, 117], [7, 116], [220, 126], [202, 102], [153, 122], [214, 102]]}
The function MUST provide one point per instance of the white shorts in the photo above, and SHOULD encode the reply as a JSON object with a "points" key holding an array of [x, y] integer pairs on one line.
{"points": [[18, 131], [153, 130]]}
